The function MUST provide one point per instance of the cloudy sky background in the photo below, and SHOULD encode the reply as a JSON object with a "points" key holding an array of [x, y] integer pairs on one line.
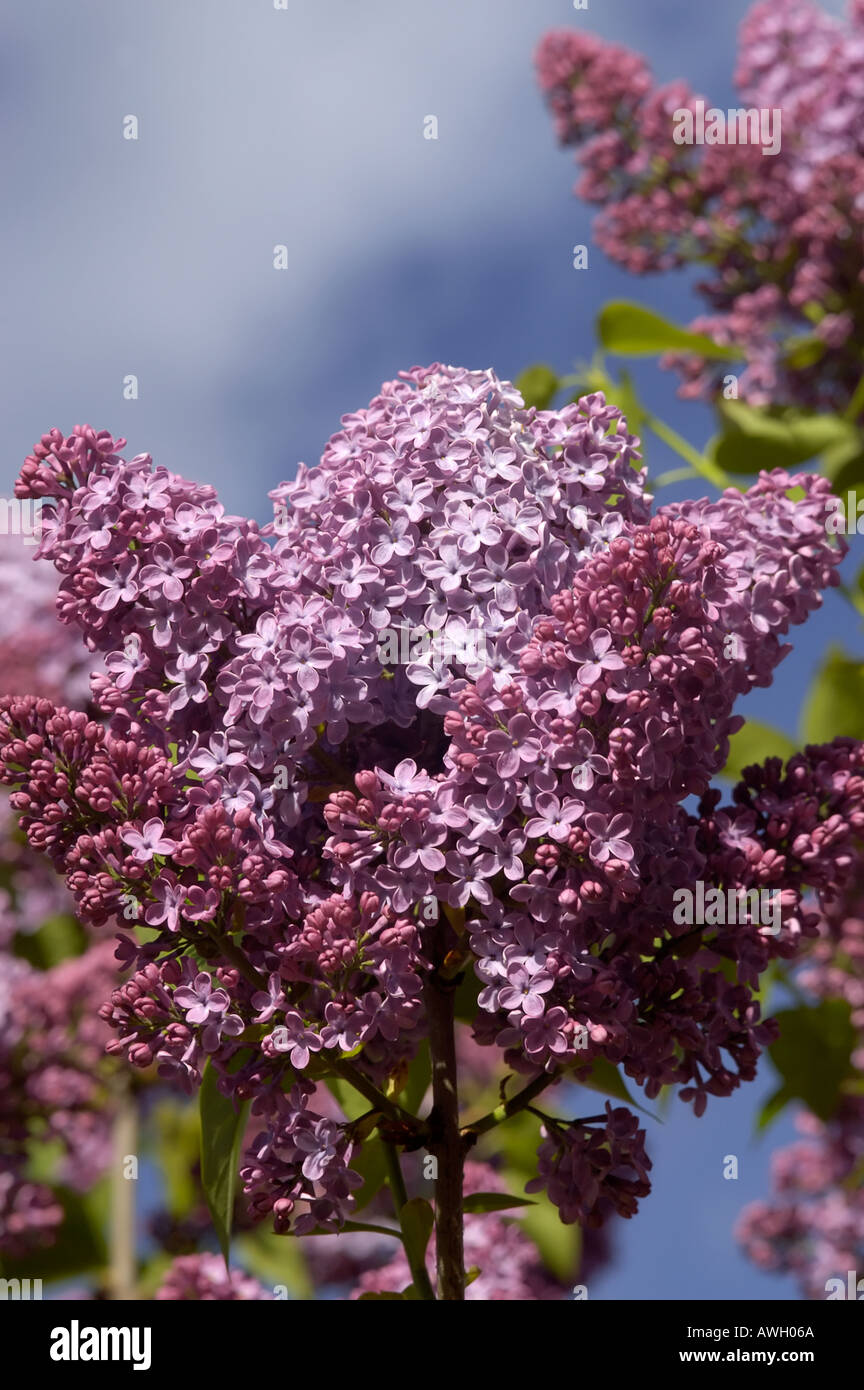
{"points": [[305, 128]]}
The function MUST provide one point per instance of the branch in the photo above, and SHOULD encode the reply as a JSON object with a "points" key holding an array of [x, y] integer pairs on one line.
{"points": [[446, 1141], [521, 1101], [402, 1118]]}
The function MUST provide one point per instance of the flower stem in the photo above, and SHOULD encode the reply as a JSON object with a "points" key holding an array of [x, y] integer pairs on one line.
{"points": [[701, 465], [377, 1099], [521, 1101], [445, 1141]]}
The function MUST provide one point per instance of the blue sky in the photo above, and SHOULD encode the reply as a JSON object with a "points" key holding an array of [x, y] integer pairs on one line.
{"points": [[304, 127]]}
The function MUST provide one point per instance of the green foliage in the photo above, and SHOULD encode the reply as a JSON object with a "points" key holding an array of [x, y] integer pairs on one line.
{"points": [[353, 1104], [559, 1246], [57, 939], [753, 744], [623, 394], [804, 351], [538, 385], [275, 1260], [222, 1127], [494, 1201], [604, 1077], [813, 1056], [631, 330], [752, 438], [466, 997], [417, 1220], [835, 700], [178, 1133], [417, 1081], [371, 1164]]}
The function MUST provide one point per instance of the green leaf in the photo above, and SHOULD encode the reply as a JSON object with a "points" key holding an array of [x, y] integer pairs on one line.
{"points": [[417, 1220], [275, 1260], [757, 437], [517, 1143], [354, 1226], [560, 1246], [602, 1076], [605, 1078], [813, 1054], [494, 1201], [538, 385], [804, 351], [843, 463], [178, 1131], [465, 1003], [56, 940], [417, 1081], [631, 330], [623, 394], [772, 1107], [835, 700], [222, 1126], [43, 1159], [371, 1164], [353, 1104], [753, 744]]}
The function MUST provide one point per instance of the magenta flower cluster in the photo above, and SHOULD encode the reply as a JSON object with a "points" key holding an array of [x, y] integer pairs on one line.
{"points": [[779, 234], [204, 1278], [301, 825]]}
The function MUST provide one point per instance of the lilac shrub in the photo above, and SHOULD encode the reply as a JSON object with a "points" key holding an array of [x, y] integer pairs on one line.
{"points": [[327, 849]]}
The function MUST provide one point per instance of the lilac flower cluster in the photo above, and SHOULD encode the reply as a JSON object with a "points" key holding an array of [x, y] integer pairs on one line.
{"points": [[312, 837], [812, 1225], [780, 234], [204, 1278], [590, 1172]]}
